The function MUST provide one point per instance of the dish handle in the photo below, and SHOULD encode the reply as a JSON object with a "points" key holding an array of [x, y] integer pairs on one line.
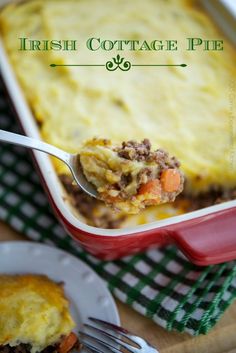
{"points": [[210, 239]]}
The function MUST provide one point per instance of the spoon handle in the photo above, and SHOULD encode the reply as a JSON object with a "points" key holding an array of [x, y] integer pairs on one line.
{"points": [[29, 142]]}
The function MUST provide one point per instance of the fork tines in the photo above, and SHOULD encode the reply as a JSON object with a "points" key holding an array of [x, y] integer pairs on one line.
{"points": [[107, 337]]}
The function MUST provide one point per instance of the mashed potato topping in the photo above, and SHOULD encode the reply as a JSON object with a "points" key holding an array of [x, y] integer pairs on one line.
{"points": [[33, 311]]}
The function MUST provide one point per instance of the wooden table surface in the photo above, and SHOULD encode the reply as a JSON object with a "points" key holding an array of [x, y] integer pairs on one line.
{"points": [[222, 339]]}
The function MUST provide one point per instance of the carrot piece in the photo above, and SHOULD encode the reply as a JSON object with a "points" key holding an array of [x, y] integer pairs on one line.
{"points": [[170, 180], [68, 343], [152, 187]]}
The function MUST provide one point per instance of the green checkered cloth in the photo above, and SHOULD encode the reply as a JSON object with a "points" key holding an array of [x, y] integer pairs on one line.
{"points": [[160, 284]]}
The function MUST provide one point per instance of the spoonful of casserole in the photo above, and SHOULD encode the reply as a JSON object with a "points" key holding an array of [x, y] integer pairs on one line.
{"points": [[131, 176], [128, 178]]}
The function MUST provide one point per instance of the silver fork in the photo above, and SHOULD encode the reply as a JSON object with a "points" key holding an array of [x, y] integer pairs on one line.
{"points": [[112, 338]]}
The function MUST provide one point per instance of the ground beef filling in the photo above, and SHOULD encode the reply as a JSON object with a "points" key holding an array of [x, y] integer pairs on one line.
{"points": [[134, 150], [91, 209], [210, 198], [25, 348], [97, 214], [106, 218]]}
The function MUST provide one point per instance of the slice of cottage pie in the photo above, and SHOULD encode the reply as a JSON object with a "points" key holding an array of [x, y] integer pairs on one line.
{"points": [[132, 176], [34, 316]]}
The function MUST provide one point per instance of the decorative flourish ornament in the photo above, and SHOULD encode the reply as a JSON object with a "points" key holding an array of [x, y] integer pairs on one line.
{"points": [[118, 63]]}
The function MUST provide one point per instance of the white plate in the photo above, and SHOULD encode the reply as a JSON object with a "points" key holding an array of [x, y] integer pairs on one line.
{"points": [[86, 291]]}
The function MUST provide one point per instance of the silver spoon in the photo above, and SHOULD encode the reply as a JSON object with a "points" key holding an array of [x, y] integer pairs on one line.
{"points": [[71, 160]]}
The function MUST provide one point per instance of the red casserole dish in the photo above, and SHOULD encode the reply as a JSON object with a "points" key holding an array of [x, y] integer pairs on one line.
{"points": [[206, 236]]}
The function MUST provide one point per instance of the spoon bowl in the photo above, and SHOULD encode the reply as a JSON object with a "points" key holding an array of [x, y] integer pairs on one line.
{"points": [[78, 175]]}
